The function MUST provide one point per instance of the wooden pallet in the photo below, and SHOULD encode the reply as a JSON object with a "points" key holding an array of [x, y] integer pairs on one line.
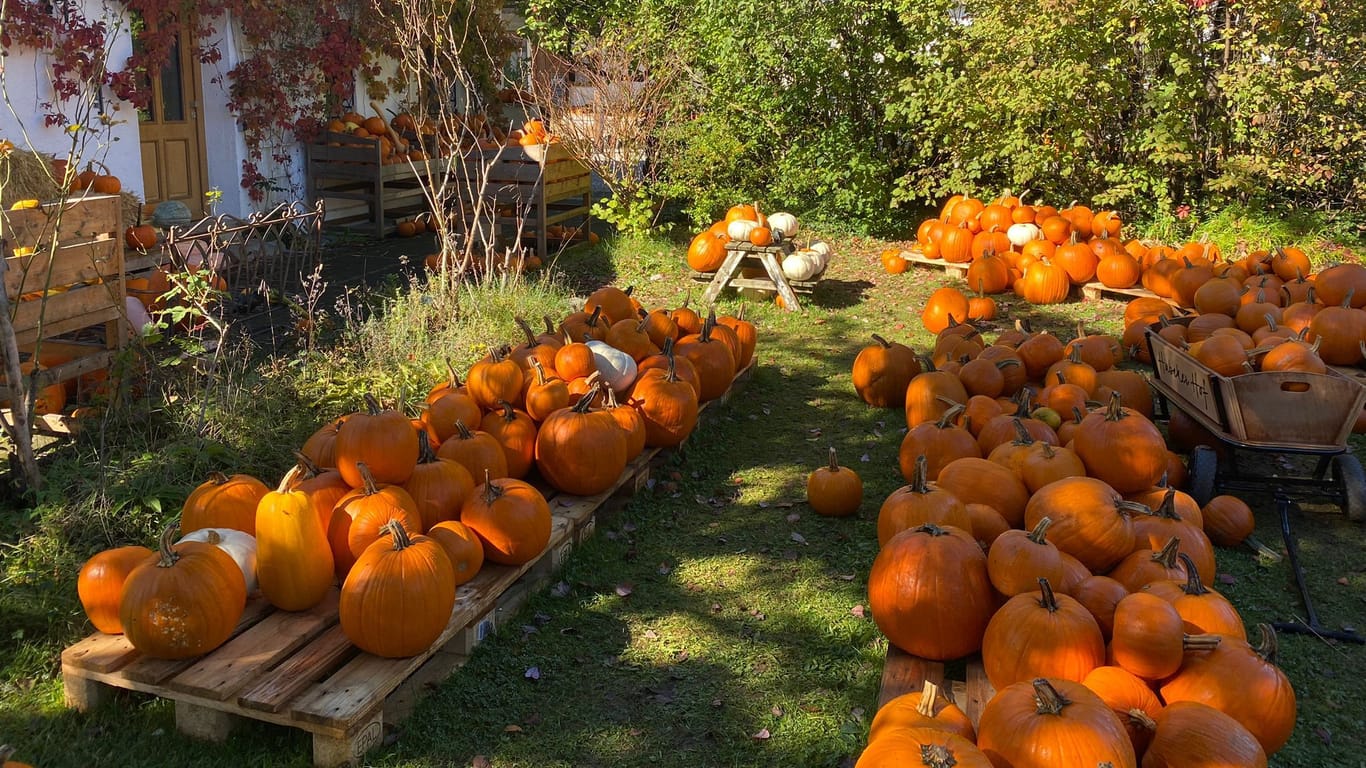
{"points": [[953, 269], [298, 669], [903, 673], [1098, 290]]}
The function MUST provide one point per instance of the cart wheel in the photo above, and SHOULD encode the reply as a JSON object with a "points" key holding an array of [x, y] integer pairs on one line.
{"points": [[1348, 472], [1204, 466]]}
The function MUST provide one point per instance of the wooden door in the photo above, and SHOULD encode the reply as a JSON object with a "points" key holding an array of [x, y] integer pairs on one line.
{"points": [[172, 133]]}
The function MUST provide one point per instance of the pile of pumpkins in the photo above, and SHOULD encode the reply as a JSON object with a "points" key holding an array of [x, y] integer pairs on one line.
{"points": [[394, 148], [1043, 526], [402, 510], [747, 224]]}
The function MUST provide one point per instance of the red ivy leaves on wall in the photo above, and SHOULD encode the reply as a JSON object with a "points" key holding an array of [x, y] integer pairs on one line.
{"points": [[298, 66]]}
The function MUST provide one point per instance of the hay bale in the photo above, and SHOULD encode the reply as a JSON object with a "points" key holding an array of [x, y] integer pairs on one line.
{"points": [[29, 176]]}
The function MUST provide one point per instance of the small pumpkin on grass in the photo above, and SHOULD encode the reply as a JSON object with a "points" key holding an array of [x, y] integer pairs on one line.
{"points": [[833, 490]]}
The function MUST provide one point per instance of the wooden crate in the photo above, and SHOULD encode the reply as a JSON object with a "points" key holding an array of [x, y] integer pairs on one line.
{"points": [[1098, 290], [297, 669], [952, 269], [82, 279], [364, 191], [540, 186], [1271, 409], [903, 673]]}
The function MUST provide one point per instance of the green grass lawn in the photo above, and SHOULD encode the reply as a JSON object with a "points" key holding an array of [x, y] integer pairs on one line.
{"points": [[715, 620]]}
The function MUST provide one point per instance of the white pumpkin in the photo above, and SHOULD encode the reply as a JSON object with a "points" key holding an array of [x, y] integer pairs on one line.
{"points": [[1021, 233], [825, 249], [138, 317], [618, 369], [239, 545], [783, 223], [802, 265], [740, 228]]}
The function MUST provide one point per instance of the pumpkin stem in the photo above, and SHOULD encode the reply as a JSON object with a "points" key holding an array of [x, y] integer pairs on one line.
{"points": [[462, 431], [367, 479], [1269, 646], [1037, 535], [491, 491], [885, 344], [1077, 415], [425, 454], [1047, 699], [592, 321], [1022, 436], [929, 697], [310, 469], [6, 751], [526, 329], [611, 398], [1193, 584], [1140, 718], [1113, 411], [586, 401], [217, 478], [1048, 451], [931, 529], [295, 471], [1207, 642], [1047, 599], [1125, 507], [540, 372], [1167, 555], [834, 463], [371, 404], [741, 314], [549, 325], [165, 549], [950, 415], [1167, 509], [400, 534], [509, 414], [921, 474], [936, 756]]}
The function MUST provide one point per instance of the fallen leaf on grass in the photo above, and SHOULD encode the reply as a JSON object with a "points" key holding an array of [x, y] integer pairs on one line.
{"points": [[716, 703], [762, 735], [845, 577], [636, 732], [794, 517], [561, 589], [1344, 581], [857, 611], [512, 728], [865, 458], [1324, 735], [480, 761], [664, 569], [777, 711], [797, 537], [533, 673], [1227, 578], [625, 589]]}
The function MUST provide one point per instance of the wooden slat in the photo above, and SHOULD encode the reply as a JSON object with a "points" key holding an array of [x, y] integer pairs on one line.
{"points": [[316, 660], [239, 661], [979, 690], [1098, 290], [70, 320], [83, 219], [74, 263], [903, 673], [953, 269], [346, 697], [99, 653], [145, 669]]}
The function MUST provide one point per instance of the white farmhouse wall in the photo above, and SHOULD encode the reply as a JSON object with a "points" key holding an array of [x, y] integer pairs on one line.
{"points": [[27, 88], [224, 146]]}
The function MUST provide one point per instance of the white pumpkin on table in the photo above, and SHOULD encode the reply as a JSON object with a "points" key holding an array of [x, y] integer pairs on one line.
{"points": [[239, 545]]}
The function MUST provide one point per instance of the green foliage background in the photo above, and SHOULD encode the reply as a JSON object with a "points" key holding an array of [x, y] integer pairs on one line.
{"points": [[857, 114]]}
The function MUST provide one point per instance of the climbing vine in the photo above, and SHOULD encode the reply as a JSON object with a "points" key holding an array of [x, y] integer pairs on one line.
{"points": [[296, 62]]}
